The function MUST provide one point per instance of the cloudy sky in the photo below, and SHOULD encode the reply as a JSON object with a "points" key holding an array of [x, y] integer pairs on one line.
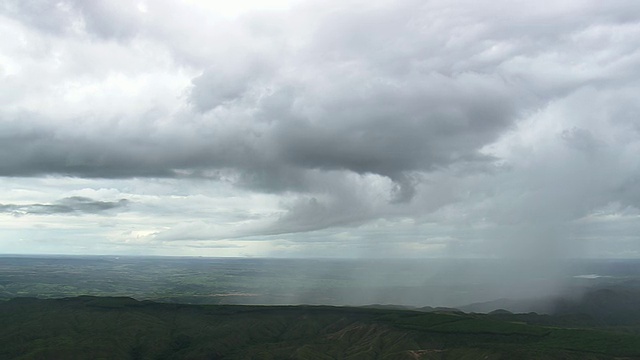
{"points": [[442, 128]]}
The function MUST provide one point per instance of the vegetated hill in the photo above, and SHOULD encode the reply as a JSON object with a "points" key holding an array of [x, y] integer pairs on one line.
{"points": [[613, 307], [123, 328], [609, 306]]}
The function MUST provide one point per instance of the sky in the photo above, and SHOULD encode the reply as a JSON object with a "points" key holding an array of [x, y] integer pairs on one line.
{"points": [[355, 129]]}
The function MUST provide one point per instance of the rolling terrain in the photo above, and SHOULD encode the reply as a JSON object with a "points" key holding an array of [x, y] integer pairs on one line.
{"points": [[103, 307], [124, 328]]}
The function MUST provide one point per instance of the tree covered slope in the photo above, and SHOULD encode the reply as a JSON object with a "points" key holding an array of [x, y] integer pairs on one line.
{"points": [[123, 328]]}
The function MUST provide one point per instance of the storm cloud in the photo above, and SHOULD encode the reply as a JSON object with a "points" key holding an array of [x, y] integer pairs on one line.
{"points": [[491, 118]]}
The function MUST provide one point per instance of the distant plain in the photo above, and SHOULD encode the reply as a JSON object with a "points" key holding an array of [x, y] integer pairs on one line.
{"points": [[417, 283]]}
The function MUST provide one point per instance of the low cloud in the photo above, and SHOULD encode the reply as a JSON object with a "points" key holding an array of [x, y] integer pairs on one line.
{"points": [[75, 205]]}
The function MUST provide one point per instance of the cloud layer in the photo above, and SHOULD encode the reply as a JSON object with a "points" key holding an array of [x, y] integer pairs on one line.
{"points": [[499, 126]]}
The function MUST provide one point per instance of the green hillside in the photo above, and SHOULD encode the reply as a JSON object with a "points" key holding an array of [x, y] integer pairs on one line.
{"points": [[123, 328]]}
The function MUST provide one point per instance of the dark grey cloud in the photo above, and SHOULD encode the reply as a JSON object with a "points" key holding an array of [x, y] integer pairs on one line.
{"points": [[109, 19], [388, 129], [75, 205], [310, 214], [48, 16], [272, 123], [105, 151], [105, 19]]}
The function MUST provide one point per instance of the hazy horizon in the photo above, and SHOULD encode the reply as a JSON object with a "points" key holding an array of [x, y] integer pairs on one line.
{"points": [[343, 282], [309, 257]]}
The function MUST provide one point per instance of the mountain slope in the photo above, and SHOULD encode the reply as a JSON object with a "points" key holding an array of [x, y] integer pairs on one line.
{"points": [[123, 328]]}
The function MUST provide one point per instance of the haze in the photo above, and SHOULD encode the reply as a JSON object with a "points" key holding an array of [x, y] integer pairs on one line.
{"points": [[351, 129]]}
